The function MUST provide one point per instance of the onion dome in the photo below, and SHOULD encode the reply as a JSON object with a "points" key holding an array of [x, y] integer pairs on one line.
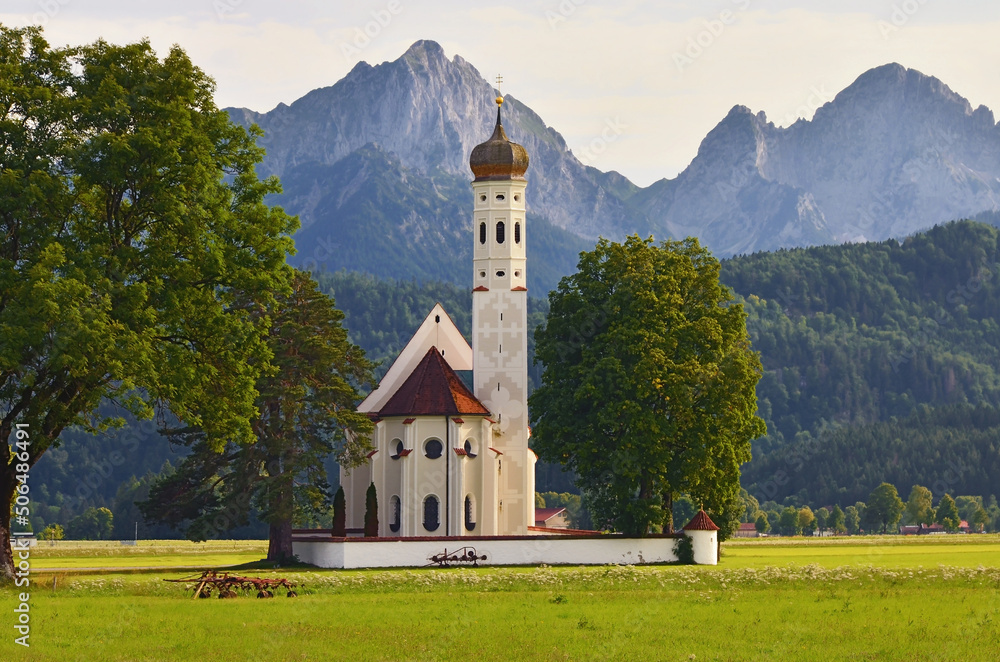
{"points": [[498, 158]]}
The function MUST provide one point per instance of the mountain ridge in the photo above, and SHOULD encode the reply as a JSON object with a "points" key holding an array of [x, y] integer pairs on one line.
{"points": [[893, 153]]}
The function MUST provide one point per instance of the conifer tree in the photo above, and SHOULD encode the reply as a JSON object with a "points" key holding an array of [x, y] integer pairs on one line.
{"points": [[339, 514], [371, 512]]}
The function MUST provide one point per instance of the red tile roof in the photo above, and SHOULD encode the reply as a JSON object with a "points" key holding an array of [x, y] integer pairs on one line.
{"points": [[701, 522], [543, 514], [433, 389], [748, 527]]}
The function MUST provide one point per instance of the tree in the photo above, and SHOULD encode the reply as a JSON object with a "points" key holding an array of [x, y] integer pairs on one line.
{"points": [[371, 512], [852, 520], [789, 525], [861, 509], [52, 532], [967, 506], [305, 412], [822, 519], [947, 514], [807, 520], [684, 510], [884, 508], [93, 524], [339, 514], [648, 384], [762, 525], [132, 218], [751, 507], [980, 518], [836, 521], [919, 508]]}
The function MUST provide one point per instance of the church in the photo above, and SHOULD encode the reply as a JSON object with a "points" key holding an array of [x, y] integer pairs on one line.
{"points": [[449, 460]]}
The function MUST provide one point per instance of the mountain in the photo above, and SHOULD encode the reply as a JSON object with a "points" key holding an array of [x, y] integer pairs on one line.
{"points": [[894, 153], [376, 167], [378, 163]]}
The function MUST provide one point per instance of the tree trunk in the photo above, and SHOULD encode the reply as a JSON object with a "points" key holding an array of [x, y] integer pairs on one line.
{"points": [[668, 506], [6, 497], [279, 548]]}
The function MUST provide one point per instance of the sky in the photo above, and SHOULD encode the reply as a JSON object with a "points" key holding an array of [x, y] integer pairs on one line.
{"points": [[632, 85]]}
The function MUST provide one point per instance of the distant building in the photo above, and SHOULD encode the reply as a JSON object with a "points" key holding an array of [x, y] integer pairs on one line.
{"points": [[551, 518], [746, 530]]}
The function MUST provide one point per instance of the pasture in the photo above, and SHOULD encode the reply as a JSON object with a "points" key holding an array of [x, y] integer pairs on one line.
{"points": [[769, 599]]}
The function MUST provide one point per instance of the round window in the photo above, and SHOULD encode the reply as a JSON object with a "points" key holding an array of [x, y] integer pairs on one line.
{"points": [[433, 449], [470, 450], [397, 450]]}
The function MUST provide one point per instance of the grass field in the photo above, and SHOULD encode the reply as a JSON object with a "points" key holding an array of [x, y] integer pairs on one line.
{"points": [[161, 553], [769, 599]]}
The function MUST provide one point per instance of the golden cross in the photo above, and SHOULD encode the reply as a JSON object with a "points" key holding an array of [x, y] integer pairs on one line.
{"points": [[499, 82]]}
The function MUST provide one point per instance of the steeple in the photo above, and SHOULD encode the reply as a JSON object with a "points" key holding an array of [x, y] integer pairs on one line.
{"points": [[500, 317], [498, 158]]}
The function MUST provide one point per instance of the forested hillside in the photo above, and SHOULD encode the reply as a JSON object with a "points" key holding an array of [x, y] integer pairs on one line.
{"points": [[859, 333], [882, 363]]}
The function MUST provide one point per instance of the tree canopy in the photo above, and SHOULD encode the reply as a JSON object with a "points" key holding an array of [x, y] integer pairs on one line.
{"points": [[305, 412], [648, 384], [132, 222]]}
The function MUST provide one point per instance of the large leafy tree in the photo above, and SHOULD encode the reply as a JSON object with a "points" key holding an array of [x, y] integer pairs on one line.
{"points": [[947, 514], [648, 387], [884, 508], [919, 508], [305, 412], [131, 221]]}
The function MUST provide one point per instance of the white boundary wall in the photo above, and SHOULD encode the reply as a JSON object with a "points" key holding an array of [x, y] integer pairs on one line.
{"points": [[515, 550]]}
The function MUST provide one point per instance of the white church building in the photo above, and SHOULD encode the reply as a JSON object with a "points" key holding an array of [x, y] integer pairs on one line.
{"points": [[450, 461], [451, 465]]}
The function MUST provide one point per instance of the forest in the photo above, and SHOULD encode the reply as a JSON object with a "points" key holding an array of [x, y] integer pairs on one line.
{"points": [[882, 363]]}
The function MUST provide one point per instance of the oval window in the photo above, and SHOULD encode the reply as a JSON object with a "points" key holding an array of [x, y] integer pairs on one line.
{"points": [[397, 450], [482, 198], [395, 512], [433, 449], [470, 450], [517, 197], [501, 232], [501, 197], [501, 274], [470, 513], [432, 519]]}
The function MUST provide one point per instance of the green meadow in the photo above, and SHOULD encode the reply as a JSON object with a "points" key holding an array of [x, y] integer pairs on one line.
{"points": [[775, 599]]}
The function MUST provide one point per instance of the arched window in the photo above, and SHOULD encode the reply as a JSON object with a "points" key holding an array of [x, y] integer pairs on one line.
{"points": [[470, 448], [395, 513], [482, 233], [433, 449], [432, 519], [470, 513], [517, 233], [501, 230], [397, 448]]}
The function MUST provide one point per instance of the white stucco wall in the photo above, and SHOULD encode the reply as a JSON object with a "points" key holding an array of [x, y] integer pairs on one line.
{"points": [[705, 547], [558, 550]]}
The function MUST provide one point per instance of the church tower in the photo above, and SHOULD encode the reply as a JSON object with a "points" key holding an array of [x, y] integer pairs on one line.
{"points": [[500, 320]]}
